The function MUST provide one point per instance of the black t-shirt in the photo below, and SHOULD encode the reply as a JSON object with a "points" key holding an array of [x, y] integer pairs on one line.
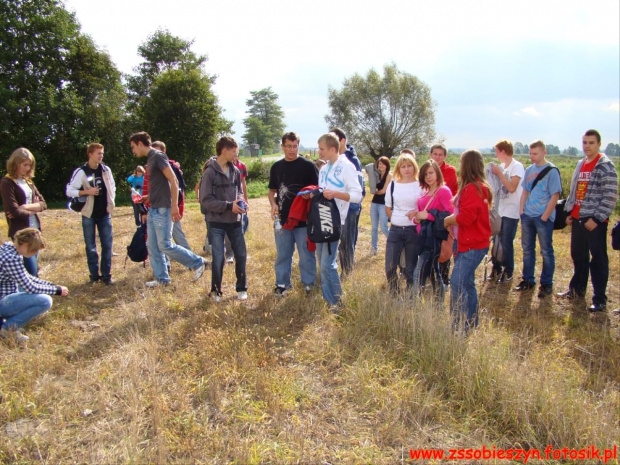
{"points": [[100, 207], [379, 198], [288, 178]]}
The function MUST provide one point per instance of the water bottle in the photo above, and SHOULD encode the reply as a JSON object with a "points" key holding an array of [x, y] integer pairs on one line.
{"points": [[135, 196], [277, 224], [242, 205]]}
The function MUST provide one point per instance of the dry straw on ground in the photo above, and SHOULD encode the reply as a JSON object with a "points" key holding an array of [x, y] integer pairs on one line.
{"points": [[131, 375]]}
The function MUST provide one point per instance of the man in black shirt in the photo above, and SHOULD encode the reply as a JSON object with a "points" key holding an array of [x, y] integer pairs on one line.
{"points": [[287, 177]]}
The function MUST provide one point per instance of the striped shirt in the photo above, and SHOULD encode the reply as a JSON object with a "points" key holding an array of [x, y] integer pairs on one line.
{"points": [[13, 274]]}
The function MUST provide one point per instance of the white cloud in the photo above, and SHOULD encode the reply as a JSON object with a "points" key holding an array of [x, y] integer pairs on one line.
{"points": [[614, 107], [528, 111]]}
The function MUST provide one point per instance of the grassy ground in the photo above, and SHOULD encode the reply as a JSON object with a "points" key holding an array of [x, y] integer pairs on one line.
{"points": [[131, 375]]}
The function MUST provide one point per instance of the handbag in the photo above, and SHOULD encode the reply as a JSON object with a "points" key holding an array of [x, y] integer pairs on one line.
{"points": [[446, 248]]}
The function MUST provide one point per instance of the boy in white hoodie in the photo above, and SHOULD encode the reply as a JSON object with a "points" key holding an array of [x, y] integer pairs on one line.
{"points": [[339, 180]]}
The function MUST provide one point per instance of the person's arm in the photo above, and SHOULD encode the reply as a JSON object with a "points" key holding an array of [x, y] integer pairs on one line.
{"points": [[384, 189], [550, 206], [75, 186], [275, 210], [524, 195], [174, 192], [511, 183]]}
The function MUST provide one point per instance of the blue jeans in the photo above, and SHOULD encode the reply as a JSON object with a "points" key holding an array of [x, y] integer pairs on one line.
{"points": [[19, 308], [285, 247], [428, 265], [507, 237], [179, 236], [104, 227], [378, 217], [32, 265], [159, 242], [530, 228], [348, 238], [399, 238], [463, 294], [330, 280], [234, 231]]}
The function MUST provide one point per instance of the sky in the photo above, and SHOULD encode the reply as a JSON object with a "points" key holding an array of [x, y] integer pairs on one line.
{"points": [[533, 69]]}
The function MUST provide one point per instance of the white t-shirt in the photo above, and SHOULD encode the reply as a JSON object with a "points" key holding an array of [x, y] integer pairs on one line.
{"points": [[32, 221], [509, 204], [406, 196]]}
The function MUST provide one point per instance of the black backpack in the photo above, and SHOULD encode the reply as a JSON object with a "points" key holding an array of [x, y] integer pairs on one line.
{"points": [[136, 250], [560, 213], [323, 222], [77, 203]]}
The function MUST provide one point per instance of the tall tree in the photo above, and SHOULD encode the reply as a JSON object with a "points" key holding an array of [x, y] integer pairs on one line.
{"points": [[173, 100], [384, 113], [570, 150], [520, 148], [57, 90], [265, 122], [612, 150]]}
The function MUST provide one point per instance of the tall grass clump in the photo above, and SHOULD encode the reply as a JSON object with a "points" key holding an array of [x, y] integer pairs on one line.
{"points": [[518, 392]]}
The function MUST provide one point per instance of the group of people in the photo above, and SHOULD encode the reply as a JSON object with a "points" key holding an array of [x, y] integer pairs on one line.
{"points": [[426, 207]]}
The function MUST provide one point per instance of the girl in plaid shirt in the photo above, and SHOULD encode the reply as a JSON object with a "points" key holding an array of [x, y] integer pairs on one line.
{"points": [[19, 305]]}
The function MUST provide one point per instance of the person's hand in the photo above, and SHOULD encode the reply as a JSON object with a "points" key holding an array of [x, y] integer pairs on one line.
{"points": [[64, 291], [143, 217], [590, 225], [449, 220], [92, 191], [306, 196], [496, 170], [544, 217], [42, 205], [236, 208], [569, 220], [329, 194], [174, 213], [420, 216], [411, 214], [275, 211]]}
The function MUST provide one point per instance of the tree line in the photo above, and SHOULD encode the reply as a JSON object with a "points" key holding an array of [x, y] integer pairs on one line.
{"points": [[59, 91]]}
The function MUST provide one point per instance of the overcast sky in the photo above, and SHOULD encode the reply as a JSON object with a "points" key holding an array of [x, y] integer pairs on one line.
{"points": [[518, 70]]}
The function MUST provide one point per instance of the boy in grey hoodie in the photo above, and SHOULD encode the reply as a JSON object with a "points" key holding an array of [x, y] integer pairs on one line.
{"points": [[591, 201], [222, 201]]}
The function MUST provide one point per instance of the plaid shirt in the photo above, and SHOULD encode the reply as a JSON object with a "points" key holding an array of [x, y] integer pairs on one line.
{"points": [[13, 273]]}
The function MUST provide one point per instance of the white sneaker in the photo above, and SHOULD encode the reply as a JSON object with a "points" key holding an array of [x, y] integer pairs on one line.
{"points": [[215, 297], [242, 295], [17, 335], [198, 272], [230, 259], [154, 283]]}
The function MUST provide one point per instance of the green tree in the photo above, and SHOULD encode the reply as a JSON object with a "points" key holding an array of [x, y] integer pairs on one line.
{"points": [[519, 148], [57, 90], [173, 100], [384, 113], [612, 150], [570, 150], [265, 122], [553, 149]]}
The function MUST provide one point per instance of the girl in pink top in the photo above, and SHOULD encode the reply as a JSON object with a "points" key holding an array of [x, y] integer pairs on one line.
{"points": [[435, 203]]}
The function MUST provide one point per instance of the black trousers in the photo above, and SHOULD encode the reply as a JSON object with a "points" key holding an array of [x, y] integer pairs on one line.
{"points": [[588, 249]]}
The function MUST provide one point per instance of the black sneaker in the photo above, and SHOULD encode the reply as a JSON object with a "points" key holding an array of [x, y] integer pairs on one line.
{"points": [[571, 294], [504, 278], [280, 291], [597, 308], [544, 290], [525, 286], [494, 276]]}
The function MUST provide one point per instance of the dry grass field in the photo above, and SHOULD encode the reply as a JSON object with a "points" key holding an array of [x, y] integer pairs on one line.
{"points": [[125, 374]]}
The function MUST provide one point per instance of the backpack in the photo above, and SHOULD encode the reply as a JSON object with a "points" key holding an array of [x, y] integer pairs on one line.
{"points": [[176, 169], [136, 250], [76, 204], [560, 213], [323, 223], [497, 250], [496, 221]]}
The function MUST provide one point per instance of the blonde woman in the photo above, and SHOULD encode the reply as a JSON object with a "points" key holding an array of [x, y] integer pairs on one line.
{"points": [[401, 206], [21, 200]]}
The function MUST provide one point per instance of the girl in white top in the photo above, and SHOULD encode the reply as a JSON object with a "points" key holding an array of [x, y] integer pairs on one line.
{"points": [[401, 206]]}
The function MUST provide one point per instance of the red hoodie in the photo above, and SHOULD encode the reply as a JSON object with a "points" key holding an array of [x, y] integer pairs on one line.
{"points": [[474, 227]]}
